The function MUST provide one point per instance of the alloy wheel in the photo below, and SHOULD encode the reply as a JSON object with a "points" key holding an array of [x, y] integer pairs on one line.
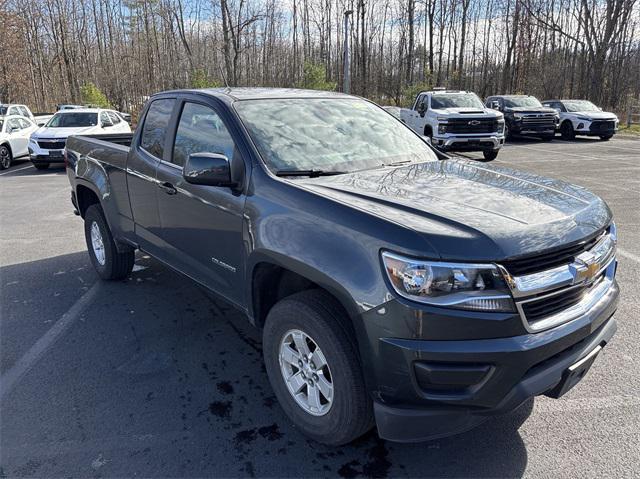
{"points": [[97, 244], [306, 372], [5, 158]]}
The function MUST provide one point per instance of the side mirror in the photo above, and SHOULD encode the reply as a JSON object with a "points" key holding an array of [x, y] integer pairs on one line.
{"points": [[210, 169], [495, 105], [422, 108]]}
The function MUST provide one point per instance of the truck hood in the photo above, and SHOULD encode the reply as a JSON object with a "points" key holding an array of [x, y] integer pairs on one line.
{"points": [[470, 211], [528, 109], [464, 112], [595, 115], [64, 132]]}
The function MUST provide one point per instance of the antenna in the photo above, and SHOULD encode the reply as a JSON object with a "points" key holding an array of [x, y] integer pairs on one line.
{"points": [[224, 77]]}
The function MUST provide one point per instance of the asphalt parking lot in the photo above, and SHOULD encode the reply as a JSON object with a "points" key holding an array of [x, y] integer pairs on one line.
{"points": [[150, 377]]}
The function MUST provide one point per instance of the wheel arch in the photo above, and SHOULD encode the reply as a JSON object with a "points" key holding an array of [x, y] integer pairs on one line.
{"points": [[272, 277], [85, 197], [8, 145]]}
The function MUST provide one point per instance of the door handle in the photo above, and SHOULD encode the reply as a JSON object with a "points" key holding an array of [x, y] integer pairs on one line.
{"points": [[168, 188]]}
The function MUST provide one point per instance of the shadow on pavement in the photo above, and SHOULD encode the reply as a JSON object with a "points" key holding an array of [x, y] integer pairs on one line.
{"points": [[157, 380]]}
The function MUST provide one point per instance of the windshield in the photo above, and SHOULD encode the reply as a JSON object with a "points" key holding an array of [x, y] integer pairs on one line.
{"points": [[455, 100], [328, 134], [580, 105], [71, 120], [522, 101]]}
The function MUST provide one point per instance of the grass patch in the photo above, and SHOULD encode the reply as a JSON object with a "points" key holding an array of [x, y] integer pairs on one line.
{"points": [[632, 130]]}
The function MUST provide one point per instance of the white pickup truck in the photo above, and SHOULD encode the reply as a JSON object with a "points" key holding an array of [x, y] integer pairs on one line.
{"points": [[456, 121]]}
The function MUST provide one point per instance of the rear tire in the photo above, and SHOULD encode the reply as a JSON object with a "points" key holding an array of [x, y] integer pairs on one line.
{"points": [[348, 413], [5, 157], [566, 130], [490, 155], [107, 260], [41, 166]]}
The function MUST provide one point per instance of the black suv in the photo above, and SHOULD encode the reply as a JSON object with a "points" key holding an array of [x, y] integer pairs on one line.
{"points": [[393, 286], [525, 115]]}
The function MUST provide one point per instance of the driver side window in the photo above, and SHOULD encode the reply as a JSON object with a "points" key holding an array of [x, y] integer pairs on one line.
{"points": [[201, 130], [104, 119], [13, 125]]}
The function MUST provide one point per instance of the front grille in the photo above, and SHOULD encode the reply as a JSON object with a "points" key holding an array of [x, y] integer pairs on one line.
{"points": [[472, 125], [601, 125], [548, 260], [549, 305], [539, 121], [51, 144]]}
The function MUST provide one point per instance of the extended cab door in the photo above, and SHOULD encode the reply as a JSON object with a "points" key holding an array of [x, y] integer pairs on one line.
{"points": [[201, 226], [147, 150]]}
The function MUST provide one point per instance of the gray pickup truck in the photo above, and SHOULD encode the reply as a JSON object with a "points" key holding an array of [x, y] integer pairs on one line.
{"points": [[393, 286]]}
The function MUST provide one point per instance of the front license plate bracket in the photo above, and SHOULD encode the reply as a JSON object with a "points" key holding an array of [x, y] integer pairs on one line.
{"points": [[574, 374]]}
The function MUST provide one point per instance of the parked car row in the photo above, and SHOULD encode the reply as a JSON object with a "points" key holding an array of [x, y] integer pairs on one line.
{"points": [[456, 120], [21, 137]]}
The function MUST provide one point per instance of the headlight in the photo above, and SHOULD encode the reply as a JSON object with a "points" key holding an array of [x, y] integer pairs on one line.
{"points": [[442, 128], [475, 287], [442, 118], [517, 116], [583, 118]]}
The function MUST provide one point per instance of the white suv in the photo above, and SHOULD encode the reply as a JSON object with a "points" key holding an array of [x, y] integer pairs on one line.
{"points": [[581, 117], [14, 134], [456, 121], [46, 145]]}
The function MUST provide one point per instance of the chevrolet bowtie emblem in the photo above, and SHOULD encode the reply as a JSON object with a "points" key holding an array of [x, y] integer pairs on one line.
{"points": [[585, 271]]}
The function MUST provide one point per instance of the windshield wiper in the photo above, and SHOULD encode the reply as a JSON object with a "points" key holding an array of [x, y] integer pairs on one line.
{"points": [[398, 163], [309, 173]]}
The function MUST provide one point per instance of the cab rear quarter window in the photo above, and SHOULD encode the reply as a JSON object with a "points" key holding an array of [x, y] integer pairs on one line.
{"points": [[155, 126]]}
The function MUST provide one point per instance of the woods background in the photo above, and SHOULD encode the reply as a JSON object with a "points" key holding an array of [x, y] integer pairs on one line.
{"points": [[54, 51]]}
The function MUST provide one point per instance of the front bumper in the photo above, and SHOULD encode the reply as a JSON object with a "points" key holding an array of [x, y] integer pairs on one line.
{"points": [[595, 128], [468, 143], [41, 155], [434, 388], [521, 129]]}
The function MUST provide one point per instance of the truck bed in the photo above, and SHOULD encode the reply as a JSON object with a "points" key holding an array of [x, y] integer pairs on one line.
{"points": [[123, 139]]}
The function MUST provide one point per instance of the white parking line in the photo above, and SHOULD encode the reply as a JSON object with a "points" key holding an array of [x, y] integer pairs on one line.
{"points": [[628, 255], [19, 169], [31, 357]]}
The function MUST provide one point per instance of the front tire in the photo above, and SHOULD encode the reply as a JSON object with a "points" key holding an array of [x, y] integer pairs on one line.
{"points": [[507, 132], [490, 155], [107, 260], [566, 130], [41, 166], [5, 157], [312, 362]]}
